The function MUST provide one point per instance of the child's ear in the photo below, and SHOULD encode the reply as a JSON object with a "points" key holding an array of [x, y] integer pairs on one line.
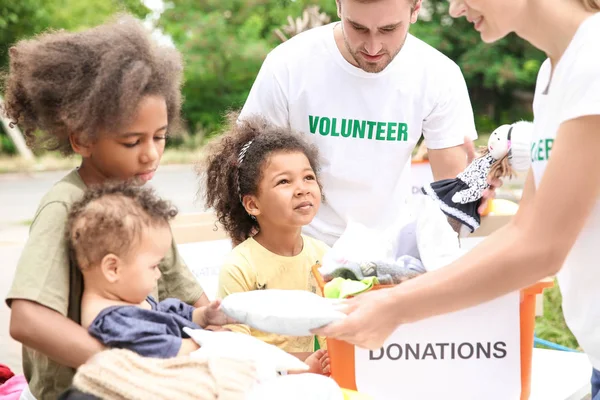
{"points": [[110, 267], [251, 205], [80, 145]]}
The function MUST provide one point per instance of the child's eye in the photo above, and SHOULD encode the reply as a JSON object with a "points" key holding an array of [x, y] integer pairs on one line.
{"points": [[283, 182], [163, 137], [130, 145], [310, 177]]}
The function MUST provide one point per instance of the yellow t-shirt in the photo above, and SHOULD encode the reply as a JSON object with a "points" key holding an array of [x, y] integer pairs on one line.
{"points": [[250, 266], [46, 275]]}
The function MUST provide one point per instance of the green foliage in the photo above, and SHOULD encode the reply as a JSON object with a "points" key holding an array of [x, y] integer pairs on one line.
{"points": [[224, 43], [7, 146], [22, 19], [494, 72], [552, 326], [75, 15]]}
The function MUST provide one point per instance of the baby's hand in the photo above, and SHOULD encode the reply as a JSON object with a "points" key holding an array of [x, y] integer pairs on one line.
{"points": [[212, 315], [318, 362]]}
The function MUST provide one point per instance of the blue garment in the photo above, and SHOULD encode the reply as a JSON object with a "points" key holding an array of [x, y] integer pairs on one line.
{"points": [[595, 384], [150, 333]]}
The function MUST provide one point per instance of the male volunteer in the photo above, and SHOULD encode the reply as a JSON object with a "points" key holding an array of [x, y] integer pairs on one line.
{"points": [[365, 90]]}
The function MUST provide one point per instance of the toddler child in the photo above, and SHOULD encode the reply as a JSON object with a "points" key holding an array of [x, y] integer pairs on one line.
{"points": [[118, 234]]}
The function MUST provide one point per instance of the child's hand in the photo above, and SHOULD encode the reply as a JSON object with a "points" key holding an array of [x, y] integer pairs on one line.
{"points": [[212, 315], [318, 362]]}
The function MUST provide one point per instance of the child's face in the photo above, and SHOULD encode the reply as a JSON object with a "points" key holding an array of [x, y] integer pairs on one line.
{"points": [[139, 272], [135, 151], [288, 193]]}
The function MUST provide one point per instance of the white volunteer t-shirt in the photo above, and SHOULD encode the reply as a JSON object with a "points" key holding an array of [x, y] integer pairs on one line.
{"points": [[365, 125], [574, 92]]}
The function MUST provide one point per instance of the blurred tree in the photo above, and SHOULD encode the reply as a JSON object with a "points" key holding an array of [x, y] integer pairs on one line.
{"points": [[25, 18], [21, 19], [500, 76], [224, 43]]}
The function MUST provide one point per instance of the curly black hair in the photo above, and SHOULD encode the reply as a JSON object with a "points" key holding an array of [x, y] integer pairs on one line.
{"points": [[86, 83], [222, 174], [110, 218]]}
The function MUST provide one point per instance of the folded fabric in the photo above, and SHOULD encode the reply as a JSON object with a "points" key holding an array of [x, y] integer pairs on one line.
{"points": [[12, 388], [406, 267], [267, 359], [340, 288], [119, 374], [284, 312]]}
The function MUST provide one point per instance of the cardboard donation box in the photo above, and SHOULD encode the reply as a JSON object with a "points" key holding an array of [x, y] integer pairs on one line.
{"points": [[483, 352]]}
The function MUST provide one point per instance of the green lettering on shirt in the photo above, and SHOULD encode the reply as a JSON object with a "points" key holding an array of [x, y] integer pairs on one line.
{"points": [[359, 129], [371, 126], [334, 131], [402, 132], [324, 126], [312, 123]]}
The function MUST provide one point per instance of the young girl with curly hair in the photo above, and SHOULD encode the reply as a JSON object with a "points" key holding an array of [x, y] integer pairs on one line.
{"points": [[262, 181], [109, 94]]}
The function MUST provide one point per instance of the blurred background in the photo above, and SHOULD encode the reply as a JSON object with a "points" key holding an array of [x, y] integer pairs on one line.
{"points": [[224, 43]]}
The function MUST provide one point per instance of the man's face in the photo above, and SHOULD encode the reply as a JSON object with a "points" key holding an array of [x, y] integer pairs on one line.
{"points": [[374, 32]]}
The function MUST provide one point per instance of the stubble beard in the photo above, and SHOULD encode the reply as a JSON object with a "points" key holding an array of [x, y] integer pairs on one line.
{"points": [[369, 67]]}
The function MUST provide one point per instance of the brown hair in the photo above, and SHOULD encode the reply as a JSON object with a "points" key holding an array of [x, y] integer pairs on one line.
{"points": [[226, 180], [110, 218], [89, 82], [591, 5], [500, 168]]}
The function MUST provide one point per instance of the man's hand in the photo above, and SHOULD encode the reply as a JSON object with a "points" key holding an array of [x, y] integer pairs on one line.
{"points": [[371, 319]]}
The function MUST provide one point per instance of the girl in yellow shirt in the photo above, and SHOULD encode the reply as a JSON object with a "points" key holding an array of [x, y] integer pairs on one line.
{"points": [[262, 182]]}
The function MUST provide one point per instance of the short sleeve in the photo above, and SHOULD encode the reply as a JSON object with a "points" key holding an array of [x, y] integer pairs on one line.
{"points": [[451, 119], [145, 332], [267, 96], [235, 278], [42, 273], [581, 94], [177, 280], [176, 306]]}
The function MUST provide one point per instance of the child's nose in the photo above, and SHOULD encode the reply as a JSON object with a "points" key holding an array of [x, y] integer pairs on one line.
{"points": [[150, 154], [302, 189]]}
